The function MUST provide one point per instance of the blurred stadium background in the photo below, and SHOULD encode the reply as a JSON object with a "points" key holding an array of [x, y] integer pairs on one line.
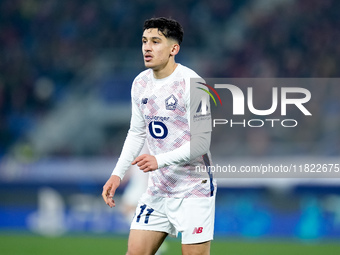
{"points": [[66, 69]]}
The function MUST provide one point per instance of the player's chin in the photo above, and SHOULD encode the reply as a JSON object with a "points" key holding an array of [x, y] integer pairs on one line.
{"points": [[148, 64]]}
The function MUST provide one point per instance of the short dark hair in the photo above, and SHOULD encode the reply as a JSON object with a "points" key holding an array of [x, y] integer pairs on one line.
{"points": [[168, 27]]}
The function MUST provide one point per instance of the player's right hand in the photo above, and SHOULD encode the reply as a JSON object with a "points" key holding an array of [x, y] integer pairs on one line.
{"points": [[109, 190]]}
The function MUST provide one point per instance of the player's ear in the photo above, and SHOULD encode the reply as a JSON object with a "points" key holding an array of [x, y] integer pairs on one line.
{"points": [[174, 49]]}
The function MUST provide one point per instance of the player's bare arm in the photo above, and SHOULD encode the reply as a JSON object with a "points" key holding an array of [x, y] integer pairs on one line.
{"points": [[146, 162], [109, 190]]}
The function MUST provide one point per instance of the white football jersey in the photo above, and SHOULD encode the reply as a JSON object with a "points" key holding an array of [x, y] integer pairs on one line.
{"points": [[170, 116]]}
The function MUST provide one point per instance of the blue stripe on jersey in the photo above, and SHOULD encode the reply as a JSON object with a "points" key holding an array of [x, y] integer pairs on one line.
{"points": [[207, 163]]}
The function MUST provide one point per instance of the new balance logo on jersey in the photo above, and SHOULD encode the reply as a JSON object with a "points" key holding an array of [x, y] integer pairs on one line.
{"points": [[198, 230], [171, 102], [145, 100]]}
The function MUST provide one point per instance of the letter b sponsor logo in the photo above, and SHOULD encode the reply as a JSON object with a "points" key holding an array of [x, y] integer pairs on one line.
{"points": [[158, 130]]}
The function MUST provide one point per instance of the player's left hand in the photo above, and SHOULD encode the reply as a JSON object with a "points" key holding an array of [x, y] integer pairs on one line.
{"points": [[146, 162]]}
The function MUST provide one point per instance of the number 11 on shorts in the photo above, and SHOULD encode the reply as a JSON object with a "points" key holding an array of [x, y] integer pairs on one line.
{"points": [[147, 216]]}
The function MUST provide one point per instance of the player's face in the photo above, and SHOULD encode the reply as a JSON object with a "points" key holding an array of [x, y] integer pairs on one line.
{"points": [[157, 49]]}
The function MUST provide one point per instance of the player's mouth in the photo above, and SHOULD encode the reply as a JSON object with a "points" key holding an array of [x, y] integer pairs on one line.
{"points": [[147, 57]]}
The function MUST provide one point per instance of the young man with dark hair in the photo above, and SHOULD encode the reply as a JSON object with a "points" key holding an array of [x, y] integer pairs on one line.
{"points": [[168, 117]]}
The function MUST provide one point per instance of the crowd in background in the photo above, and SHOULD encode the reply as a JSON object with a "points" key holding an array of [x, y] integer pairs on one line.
{"points": [[44, 45], [295, 41]]}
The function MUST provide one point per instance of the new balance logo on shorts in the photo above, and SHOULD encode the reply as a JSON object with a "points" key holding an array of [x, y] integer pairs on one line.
{"points": [[198, 230]]}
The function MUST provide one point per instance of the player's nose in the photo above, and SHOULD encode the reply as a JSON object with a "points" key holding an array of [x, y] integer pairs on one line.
{"points": [[146, 47]]}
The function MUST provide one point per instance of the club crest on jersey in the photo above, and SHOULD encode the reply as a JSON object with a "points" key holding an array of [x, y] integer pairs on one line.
{"points": [[171, 103]]}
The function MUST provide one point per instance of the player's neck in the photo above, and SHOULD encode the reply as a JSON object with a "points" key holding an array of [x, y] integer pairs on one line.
{"points": [[166, 71]]}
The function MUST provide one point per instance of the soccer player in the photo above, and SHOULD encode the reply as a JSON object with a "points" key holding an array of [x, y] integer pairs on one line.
{"points": [[176, 125]]}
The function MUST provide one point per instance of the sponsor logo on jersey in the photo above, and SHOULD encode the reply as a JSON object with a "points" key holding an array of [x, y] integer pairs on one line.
{"points": [[171, 103], [145, 100], [197, 230], [158, 130], [202, 112], [199, 108], [161, 118]]}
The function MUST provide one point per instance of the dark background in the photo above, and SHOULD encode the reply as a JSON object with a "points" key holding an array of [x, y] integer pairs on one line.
{"points": [[66, 68]]}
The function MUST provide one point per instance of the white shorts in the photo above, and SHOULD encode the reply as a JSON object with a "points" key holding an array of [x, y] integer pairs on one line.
{"points": [[193, 217]]}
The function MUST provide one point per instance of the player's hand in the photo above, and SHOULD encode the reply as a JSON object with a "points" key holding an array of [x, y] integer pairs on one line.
{"points": [[146, 162], [109, 190]]}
